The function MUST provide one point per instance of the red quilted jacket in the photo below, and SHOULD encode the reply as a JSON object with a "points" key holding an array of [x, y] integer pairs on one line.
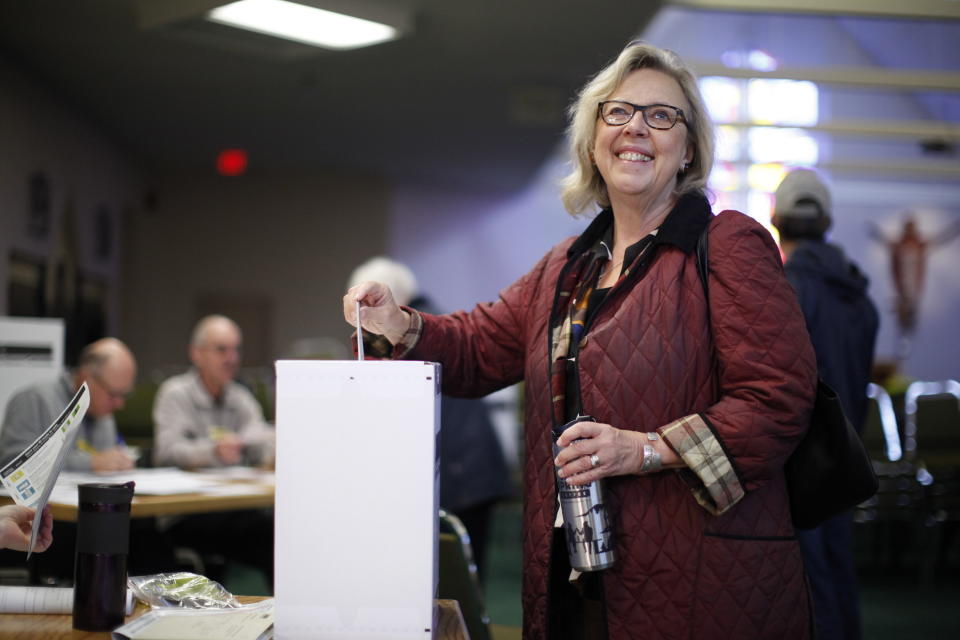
{"points": [[694, 560]]}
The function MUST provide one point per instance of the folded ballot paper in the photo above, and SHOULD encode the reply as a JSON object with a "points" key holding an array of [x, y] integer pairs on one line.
{"points": [[30, 476], [249, 622]]}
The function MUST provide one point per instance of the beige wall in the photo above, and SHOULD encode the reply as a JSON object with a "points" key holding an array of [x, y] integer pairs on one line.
{"points": [[285, 243]]}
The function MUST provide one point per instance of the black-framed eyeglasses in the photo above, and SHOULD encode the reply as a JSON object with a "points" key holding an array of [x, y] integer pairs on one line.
{"points": [[657, 116], [116, 394]]}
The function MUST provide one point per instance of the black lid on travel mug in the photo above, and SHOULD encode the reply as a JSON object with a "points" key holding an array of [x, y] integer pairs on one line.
{"points": [[103, 521], [102, 493], [558, 430]]}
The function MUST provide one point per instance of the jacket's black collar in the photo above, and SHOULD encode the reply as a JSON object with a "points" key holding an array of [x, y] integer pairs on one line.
{"points": [[681, 227]]}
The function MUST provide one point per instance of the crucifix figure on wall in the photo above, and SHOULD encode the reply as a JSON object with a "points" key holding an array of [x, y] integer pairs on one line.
{"points": [[908, 252]]}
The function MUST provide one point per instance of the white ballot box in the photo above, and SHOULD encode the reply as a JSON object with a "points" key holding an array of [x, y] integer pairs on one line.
{"points": [[356, 499]]}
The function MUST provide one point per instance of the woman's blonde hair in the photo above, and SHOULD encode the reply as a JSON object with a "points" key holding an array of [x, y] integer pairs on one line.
{"points": [[585, 186]]}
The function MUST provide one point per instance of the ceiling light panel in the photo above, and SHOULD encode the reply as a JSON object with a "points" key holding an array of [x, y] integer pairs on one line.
{"points": [[301, 23]]}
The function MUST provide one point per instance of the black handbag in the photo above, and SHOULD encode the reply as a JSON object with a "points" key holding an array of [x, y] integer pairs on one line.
{"points": [[829, 471]]}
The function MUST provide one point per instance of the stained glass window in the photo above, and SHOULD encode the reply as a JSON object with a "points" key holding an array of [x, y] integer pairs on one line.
{"points": [[751, 160]]}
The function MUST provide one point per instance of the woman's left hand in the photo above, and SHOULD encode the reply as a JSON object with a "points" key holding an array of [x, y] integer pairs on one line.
{"points": [[16, 525], [618, 452]]}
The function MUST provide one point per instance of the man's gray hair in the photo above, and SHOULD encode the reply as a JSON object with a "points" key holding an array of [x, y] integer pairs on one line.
{"points": [[199, 336]]}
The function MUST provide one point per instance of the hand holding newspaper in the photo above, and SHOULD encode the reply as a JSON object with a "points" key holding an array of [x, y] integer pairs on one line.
{"points": [[30, 476]]}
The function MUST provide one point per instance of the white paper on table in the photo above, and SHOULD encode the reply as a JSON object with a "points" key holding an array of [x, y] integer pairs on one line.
{"points": [[19, 599], [65, 494], [170, 481], [232, 473], [166, 481], [161, 481], [31, 476], [237, 490], [249, 622]]}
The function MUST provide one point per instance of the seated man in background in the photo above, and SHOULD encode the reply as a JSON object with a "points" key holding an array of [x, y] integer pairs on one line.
{"points": [[204, 418], [109, 369]]}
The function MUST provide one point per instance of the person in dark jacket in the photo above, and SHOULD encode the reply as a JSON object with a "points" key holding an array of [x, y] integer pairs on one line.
{"points": [[842, 321]]}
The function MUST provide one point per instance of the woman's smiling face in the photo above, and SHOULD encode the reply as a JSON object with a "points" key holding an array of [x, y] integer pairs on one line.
{"points": [[635, 159]]}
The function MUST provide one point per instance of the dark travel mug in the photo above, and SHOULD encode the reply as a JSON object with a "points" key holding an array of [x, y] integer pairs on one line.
{"points": [[100, 566]]}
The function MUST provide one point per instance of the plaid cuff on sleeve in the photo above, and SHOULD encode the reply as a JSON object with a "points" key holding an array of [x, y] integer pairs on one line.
{"points": [[377, 347], [718, 488], [412, 335]]}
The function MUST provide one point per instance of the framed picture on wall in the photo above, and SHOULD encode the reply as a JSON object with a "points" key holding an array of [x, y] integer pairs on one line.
{"points": [[25, 286], [38, 207], [103, 233], [84, 314]]}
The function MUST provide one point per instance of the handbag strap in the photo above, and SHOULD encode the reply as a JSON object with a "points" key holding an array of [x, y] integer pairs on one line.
{"points": [[703, 270], [703, 264]]}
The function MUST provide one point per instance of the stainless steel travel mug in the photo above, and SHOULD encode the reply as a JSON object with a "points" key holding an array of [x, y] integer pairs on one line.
{"points": [[589, 535]]}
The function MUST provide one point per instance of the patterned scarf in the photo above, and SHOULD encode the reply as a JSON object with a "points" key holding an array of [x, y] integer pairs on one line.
{"points": [[577, 285]]}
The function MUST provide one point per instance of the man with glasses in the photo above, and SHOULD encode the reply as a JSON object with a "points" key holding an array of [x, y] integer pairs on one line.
{"points": [[203, 418], [109, 369]]}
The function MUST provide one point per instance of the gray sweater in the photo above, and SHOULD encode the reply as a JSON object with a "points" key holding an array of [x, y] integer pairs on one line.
{"points": [[33, 409], [186, 419]]}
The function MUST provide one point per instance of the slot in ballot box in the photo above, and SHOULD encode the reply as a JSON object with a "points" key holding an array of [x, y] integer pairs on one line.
{"points": [[356, 500]]}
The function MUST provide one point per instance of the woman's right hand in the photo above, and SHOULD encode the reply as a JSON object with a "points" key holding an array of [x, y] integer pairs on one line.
{"points": [[379, 312]]}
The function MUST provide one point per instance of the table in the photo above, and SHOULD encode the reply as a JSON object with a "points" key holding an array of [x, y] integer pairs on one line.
{"points": [[178, 504], [59, 626], [229, 489], [259, 496]]}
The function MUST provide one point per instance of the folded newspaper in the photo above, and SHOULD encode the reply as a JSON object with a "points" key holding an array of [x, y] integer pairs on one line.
{"points": [[30, 476]]}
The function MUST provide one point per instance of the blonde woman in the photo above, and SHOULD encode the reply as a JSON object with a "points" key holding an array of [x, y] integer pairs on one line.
{"points": [[694, 415]]}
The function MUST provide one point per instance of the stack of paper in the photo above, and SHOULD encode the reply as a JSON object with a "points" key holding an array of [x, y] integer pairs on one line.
{"points": [[250, 622]]}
